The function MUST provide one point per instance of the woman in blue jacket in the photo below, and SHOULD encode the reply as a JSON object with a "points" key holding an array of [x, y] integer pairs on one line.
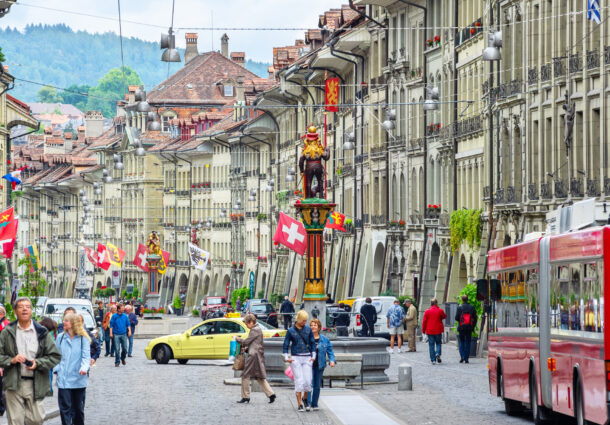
{"points": [[72, 376], [323, 348]]}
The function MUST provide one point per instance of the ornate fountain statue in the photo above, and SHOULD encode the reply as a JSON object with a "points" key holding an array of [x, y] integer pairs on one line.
{"points": [[154, 244], [310, 164]]}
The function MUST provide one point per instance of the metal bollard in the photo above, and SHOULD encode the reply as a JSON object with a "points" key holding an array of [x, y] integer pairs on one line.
{"points": [[405, 377]]}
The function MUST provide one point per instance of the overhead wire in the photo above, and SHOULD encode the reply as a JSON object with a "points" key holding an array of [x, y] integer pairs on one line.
{"points": [[122, 57]]}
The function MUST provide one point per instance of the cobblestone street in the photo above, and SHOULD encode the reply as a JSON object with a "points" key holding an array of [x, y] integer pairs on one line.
{"points": [[144, 392]]}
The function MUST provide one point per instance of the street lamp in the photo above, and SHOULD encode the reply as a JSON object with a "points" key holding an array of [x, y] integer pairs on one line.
{"points": [[492, 51], [390, 117], [432, 98], [168, 42], [349, 142]]}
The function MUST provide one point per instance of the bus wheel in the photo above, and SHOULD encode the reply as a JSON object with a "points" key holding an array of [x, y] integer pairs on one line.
{"points": [[512, 407], [537, 411], [579, 407]]}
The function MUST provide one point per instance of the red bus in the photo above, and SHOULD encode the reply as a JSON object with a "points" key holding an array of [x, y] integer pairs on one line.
{"points": [[548, 350]]}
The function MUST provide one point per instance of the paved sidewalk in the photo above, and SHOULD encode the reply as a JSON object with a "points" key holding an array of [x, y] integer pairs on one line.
{"points": [[353, 408]]}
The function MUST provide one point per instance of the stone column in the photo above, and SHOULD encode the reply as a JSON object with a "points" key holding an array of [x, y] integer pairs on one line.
{"points": [[153, 296]]}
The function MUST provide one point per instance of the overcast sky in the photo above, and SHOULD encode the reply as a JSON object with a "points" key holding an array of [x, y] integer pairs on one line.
{"points": [[258, 45]]}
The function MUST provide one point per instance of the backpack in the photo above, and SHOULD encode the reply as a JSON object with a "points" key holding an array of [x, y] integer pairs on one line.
{"points": [[466, 319]]}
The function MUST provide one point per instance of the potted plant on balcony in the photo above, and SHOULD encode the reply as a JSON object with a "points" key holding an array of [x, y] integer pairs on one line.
{"points": [[437, 40], [241, 265], [393, 223], [401, 224], [234, 264]]}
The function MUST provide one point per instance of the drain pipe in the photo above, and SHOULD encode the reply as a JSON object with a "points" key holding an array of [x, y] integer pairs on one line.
{"points": [[361, 13]]}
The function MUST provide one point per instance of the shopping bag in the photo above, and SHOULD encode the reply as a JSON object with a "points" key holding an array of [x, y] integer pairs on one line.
{"points": [[288, 372], [233, 350], [240, 362]]}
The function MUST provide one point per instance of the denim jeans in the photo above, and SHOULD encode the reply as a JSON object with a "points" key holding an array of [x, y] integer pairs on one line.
{"points": [[316, 382], [130, 345], [120, 347], [71, 405], [434, 343], [464, 343], [109, 342]]}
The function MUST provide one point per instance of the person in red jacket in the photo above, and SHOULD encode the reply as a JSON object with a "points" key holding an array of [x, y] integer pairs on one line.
{"points": [[432, 326]]}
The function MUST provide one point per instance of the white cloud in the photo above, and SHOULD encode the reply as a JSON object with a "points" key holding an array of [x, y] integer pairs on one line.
{"points": [[258, 45]]}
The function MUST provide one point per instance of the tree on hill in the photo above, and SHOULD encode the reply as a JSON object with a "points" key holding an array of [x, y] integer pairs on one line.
{"points": [[110, 89], [76, 95], [2, 59], [48, 94]]}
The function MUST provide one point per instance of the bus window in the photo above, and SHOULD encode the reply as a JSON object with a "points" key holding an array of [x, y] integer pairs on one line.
{"points": [[576, 317], [531, 296], [560, 297], [513, 309], [592, 298]]}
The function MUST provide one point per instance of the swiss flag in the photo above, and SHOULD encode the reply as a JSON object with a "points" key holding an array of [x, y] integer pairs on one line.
{"points": [[103, 261], [91, 255], [291, 233], [8, 234], [140, 258]]}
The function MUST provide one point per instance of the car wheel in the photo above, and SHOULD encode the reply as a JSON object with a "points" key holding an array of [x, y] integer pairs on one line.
{"points": [[162, 355], [183, 361]]}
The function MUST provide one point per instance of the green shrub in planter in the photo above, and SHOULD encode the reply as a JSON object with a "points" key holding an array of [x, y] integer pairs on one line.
{"points": [[177, 303], [195, 312]]}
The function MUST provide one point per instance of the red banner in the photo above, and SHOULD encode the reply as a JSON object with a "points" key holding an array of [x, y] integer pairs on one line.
{"points": [[332, 95]]}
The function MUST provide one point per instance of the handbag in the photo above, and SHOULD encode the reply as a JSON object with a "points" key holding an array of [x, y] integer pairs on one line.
{"points": [[240, 360], [288, 372]]}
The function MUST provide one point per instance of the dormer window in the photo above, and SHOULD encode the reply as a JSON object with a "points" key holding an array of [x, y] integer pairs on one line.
{"points": [[228, 90]]}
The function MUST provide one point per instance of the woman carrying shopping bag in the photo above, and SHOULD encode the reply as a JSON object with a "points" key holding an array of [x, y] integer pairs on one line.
{"points": [[255, 362], [72, 377], [302, 345], [323, 348]]}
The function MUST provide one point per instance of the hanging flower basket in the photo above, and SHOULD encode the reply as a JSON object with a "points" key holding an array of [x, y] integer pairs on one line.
{"points": [[402, 223], [393, 223]]}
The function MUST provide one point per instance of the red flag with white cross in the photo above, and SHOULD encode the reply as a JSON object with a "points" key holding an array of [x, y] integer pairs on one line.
{"points": [[8, 235], [291, 233], [91, 256], [140, 258], [103, 259]]}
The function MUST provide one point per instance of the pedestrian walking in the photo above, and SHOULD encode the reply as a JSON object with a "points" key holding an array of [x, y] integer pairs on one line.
{"points": [[432, 325], [120, 330], [302, 345], [466, 316], [342, 320], [368, 317], [73, 370], [238, 305], [287, 309], [106, 328], [3, 323], [51, 326], [100, 312], [133, 322], [411, 324], [323, 349], [27, 353], [395, 317], [255, 361]]}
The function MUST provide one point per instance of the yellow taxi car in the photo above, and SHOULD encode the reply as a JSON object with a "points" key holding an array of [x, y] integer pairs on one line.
{"points": [[207, 340]]}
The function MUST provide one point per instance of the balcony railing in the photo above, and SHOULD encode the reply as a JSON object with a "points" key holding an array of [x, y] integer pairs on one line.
{"points": [[532, 76], [499, 196], [545, 72], [561, 191], [545, 191], [532, 192], [511, 195], [576, 189], [592, 59], [469, 32], [575, 63], [486, 192], [558, 67], [593, 187], [378, 220]]}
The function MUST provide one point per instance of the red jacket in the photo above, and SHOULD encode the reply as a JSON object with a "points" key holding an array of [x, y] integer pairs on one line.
{"points": [[433, 321]]}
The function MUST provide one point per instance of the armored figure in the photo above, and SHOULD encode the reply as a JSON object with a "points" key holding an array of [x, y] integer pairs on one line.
{"points": [[310, 163], [154, 244]]}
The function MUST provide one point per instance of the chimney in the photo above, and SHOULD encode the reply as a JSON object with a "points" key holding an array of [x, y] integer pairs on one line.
{"points": [[271, 72], [239, 58], [224, 43], [240, 89], [131, 96], [191, 47], [94, 121]]}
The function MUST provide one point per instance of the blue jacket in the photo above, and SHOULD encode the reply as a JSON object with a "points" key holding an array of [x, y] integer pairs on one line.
{"points": [[119, 324], [325, 348], [300, 342], [133, 321], [75, 357]]}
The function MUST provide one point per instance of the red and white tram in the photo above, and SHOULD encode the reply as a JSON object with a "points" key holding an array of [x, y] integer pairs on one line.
{"points": [[548, 348]]}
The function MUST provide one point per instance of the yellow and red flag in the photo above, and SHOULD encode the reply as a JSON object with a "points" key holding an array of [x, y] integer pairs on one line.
{"points": [[163, 263], [115, 254], [6, 217], [332, 95], [336, 221]]}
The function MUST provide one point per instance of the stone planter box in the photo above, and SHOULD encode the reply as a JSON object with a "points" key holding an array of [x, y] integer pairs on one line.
{"points": [[375, 357], [161, 326]]}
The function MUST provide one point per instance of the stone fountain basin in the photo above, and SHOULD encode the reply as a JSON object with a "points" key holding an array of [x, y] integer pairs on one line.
{"points": [[375, 357]]}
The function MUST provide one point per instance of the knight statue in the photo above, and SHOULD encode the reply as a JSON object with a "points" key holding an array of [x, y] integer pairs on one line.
{"points": [[153, 244], [310, 164]]}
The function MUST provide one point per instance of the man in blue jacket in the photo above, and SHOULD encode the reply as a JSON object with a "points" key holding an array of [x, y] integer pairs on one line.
{"points": [[120, 330]]}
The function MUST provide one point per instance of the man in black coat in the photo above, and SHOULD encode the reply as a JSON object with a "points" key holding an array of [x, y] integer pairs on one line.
{"points": [[342, 320], [368, 317], [287, 309], [466, 316]]}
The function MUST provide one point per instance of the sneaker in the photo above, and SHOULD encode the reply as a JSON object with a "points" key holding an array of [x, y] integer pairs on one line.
{"points": [[306, 405], [466, 361], [461, 360], [315, 409], [433, 362], [300, 409], [438, 359]]}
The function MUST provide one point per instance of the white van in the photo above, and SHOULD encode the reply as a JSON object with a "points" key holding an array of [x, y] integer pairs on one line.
{"points": [[382, 305], [55, 306]]}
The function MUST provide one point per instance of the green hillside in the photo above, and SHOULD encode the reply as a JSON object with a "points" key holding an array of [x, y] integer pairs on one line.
{"points": [[59, 56]]}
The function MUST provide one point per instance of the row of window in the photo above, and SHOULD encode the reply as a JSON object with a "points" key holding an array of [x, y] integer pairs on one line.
{"points": [[576, 301]]}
